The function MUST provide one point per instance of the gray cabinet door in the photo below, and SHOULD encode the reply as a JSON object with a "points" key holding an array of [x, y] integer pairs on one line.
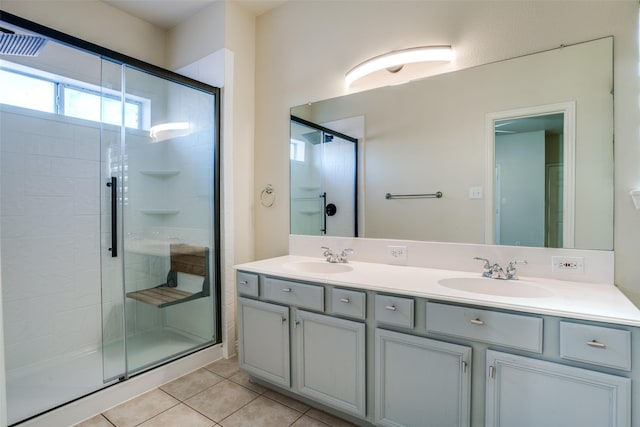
{"points": [[331, 361], [525, 392], [263, 337], [421, 382]]}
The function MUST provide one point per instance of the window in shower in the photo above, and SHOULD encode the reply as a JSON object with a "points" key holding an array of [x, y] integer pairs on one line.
{"points": [[26, 91], [35, 89], [100, 107]]}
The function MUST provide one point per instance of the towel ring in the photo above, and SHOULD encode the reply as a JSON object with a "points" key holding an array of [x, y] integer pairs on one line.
{"points": [[267, 196]]}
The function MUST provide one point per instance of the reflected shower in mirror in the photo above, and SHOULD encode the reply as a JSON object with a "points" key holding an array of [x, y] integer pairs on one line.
{"points": [[438, 134], [323, 170]]}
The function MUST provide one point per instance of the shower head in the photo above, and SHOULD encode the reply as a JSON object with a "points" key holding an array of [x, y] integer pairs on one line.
{"points": [[312, 137], [315, 137], [20, 44]]}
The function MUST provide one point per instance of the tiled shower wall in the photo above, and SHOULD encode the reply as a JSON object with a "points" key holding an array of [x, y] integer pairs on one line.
{"points": [[50, 228]]}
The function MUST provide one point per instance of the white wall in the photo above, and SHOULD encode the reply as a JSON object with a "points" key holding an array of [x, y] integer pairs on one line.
{"points": [[293, 39]]}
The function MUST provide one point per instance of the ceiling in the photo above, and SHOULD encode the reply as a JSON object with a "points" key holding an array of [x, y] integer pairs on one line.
{"points": [[168, 13]]}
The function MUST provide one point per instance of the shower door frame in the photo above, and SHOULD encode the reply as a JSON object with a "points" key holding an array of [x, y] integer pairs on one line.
{"points": [[121, 59]]}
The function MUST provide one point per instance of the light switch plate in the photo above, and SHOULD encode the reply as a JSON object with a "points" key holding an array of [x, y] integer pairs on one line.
{"points": [[475, 192]]}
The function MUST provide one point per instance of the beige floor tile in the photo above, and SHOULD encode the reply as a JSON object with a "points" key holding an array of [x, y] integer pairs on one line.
{"points": [[327, 418], [221, 400], [179, 416], [141, 408], [191, 384], [305, 421], [242, 378], [97, 421], [262, 412], [224, 367], [287, 401]]}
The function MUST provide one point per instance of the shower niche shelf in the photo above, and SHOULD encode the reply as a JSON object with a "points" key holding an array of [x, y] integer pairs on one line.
{"points": [[160, 211], [161, 173]]}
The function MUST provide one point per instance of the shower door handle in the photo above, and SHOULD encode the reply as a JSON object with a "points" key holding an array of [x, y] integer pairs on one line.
{"points": [[113, 184]]}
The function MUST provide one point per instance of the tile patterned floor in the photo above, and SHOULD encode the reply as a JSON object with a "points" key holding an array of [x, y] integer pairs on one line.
{"points": [[217, 395]]}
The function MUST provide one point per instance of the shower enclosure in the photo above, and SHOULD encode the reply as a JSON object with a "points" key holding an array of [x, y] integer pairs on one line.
{"points": [[109, 209], [323, 180]]}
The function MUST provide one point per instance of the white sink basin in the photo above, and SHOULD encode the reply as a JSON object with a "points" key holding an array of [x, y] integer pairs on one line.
{"points": [[503, 288], [319, 267]]}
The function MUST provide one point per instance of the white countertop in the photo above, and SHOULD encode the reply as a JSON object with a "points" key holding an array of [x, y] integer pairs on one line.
{"points": [[597, 302]]}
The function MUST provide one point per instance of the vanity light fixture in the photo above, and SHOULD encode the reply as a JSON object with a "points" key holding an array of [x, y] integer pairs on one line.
{"points": [[394, 61], [168, 130]]}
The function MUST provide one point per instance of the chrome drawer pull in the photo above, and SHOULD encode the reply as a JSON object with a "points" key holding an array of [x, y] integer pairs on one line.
{"points": [[244, 282], [345, 300], [391, 307], [286, 290], [596, 344], [476, 321]]}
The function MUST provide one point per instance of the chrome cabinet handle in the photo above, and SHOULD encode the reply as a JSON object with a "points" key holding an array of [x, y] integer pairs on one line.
{"points": [[476, 321], [345, 300], [243, 282], [286, 290], [596, 344], [284, 320], [390, 307]]}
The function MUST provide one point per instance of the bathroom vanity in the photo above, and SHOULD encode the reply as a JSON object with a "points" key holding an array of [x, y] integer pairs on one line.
{"points": [[407, 346]]}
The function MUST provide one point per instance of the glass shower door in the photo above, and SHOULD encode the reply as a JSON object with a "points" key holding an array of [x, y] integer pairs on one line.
{"points": [[308, 196], [50, 152], [166, 196]]}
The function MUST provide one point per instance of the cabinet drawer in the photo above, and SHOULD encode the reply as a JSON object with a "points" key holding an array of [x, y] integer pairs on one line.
{"points": [[510, 330], [349, 303], [294, 293], [247, 283], [595, 344], [394, 310]]}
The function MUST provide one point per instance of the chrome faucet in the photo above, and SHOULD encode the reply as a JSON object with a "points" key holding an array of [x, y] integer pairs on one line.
{"points": [[335, 258], [494, 271], [511, 269], [491, 271]]}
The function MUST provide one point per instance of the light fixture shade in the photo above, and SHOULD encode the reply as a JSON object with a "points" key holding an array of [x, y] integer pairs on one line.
{"points": [[398, 58]]}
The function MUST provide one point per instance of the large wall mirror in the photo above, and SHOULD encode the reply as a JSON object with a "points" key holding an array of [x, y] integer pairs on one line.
{"points": [[521, 151]]}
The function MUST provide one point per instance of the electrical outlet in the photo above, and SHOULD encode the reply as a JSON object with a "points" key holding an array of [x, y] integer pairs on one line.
{"points": [[397, 254], [475, 192], [563, 263]]}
